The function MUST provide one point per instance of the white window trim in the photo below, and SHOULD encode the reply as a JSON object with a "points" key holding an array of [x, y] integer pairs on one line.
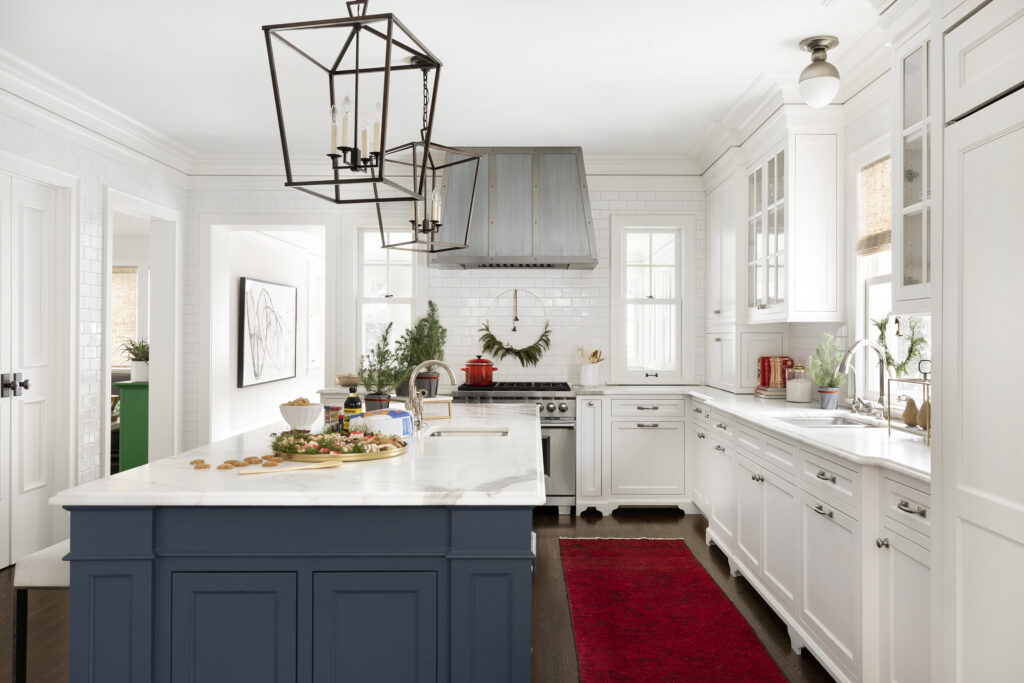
{"points": [[347, 355], [855, 288], [686, 225]]}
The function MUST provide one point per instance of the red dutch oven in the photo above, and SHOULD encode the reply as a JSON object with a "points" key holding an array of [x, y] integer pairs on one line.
{"points": [[479, 372]]}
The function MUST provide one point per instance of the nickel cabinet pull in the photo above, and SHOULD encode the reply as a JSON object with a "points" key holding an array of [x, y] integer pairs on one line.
{"points": [[721, 425], [719, 448], [647, 408], [647, 425], [820, 509], [698, 410], [882, 542], [701, 435], [757, 477], [825, 476], [650, 374], [904, 506]]}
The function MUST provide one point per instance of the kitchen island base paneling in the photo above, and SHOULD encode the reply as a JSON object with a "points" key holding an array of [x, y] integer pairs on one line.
{"points": [[300, 593]]}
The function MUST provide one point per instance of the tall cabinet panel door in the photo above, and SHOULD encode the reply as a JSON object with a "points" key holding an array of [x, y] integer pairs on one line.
{"points": [[780, 569], [588, 447], [906, 610], [831, 580], [982, 496], [229, 626], [647, 458], [722, 489], [749, 514], [374, 626], [697, 449]]}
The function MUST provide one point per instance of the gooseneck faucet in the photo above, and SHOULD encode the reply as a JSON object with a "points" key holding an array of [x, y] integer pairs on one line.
{"points": [[844, 368], [415, 403]]}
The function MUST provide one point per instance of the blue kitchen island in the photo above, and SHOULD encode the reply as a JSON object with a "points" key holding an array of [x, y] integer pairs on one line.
{"points": [[414, 568]]}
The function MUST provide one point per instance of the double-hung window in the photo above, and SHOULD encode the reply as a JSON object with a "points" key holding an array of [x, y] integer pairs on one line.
{"points": [[653, 299], [385, 289]]}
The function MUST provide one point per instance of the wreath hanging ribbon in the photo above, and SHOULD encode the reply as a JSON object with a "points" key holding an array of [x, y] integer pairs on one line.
{"points": [[528, 356]]}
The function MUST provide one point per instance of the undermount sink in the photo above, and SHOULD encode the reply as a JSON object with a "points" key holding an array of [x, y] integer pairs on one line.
{"points": [[829, 421], [468, 430]]}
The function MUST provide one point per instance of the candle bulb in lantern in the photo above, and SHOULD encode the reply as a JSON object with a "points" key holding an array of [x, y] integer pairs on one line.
{"points": [[435, 206], [376, 130], [334, 130], [365, 135], [346, 109]]}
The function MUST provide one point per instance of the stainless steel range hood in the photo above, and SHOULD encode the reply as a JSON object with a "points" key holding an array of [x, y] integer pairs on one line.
{"points": [[532, 210]]}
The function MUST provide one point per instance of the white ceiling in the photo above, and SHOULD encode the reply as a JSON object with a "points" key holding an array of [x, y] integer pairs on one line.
{"points": [[639, 78]]}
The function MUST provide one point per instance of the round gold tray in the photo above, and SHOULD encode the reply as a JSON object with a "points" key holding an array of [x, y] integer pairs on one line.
{"points": [[341, 457]]}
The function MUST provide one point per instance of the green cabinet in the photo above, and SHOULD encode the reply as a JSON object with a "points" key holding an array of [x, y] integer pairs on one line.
{"points": [[134, 439]]}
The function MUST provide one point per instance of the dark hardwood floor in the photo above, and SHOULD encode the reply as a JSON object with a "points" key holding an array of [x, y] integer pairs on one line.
{"points": [[554, 651]]}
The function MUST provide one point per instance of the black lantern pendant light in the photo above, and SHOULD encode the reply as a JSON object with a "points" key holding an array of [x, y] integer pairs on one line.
{"points": [[359, 54]]}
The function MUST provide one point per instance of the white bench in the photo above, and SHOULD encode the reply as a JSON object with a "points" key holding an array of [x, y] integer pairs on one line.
{"points": [[45, 569]]}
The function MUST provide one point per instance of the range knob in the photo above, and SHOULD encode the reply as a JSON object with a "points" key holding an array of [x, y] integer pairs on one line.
{"points": [[563, 407], [551, 407], [540, 407]]}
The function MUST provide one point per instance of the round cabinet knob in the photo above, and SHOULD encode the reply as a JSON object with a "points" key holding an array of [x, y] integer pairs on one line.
{"points": [[551, 407], [540, 407], [563, 407]]}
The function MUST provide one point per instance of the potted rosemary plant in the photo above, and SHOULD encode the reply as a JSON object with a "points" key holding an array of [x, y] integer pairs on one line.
{"points": [[823, 366], [422, 342], [137, 351], [379, 373]]}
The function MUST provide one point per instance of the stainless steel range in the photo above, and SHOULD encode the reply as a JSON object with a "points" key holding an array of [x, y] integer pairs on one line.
{"points": [[556, 404]]}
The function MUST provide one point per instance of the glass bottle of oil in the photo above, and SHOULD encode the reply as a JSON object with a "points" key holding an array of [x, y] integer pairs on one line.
{"points": [[353, 406]]}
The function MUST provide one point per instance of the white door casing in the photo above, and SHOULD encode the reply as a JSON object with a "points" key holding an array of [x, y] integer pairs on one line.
{"points": [[981, 479], [5, 366], [33, 449]]}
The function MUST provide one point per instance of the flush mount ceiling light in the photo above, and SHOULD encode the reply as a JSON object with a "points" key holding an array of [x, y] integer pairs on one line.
{"points": [[361, 59], [819, 81]]}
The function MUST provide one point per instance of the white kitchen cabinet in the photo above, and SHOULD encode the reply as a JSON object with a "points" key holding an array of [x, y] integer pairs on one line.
{"points": [[905, 606], [722, 221], [780, 569], [722, 488], [697, 445], [721, 365], [588, 447], [646, 458], [732, 358], [793, 228], [830, 567], [912, 213], [749, 514], [984, 57]]}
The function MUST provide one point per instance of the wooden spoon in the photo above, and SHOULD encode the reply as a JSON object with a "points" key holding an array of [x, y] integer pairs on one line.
{"points": [[275, 470]]}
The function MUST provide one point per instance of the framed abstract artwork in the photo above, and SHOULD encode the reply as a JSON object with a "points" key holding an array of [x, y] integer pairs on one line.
{"points": [[267, 317]]}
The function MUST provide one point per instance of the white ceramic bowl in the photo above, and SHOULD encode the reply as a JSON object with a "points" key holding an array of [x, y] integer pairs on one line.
{"points": [[301, 417]]}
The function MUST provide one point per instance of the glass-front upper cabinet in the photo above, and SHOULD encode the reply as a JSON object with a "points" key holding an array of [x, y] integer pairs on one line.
{"points": [[766, 235], [912, 202]]}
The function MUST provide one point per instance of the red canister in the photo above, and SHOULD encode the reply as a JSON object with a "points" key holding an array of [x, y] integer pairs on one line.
{"points": [[479, 372]]}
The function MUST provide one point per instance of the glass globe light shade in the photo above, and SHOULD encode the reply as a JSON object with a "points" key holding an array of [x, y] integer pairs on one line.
{"points": [[819, 84]]}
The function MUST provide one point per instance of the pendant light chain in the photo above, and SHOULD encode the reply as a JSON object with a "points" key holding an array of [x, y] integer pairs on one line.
{"points": [[426, 102]]}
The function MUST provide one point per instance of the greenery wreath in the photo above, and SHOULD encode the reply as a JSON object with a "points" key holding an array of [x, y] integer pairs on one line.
{"points": [[527, 356], [916, 345]]}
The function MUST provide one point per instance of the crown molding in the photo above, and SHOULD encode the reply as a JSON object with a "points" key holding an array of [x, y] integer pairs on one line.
{"points": [[39, 88], [637, 165]]}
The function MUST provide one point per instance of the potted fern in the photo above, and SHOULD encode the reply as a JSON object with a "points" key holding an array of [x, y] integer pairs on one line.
{"points": [[823, 366], [137, 351], [379, 373], [422, 342]]}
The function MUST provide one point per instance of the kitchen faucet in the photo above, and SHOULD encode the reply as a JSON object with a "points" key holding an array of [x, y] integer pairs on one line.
{"points": [[861, 405], [415, 404]]}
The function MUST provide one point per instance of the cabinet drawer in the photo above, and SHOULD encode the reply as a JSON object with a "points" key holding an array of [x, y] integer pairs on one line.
{"points": [[748, 439], [695, 410], [647, 458], [722, 425], [984, 56], [652, 408], [831, 479], [782, 455], [907, 506]]}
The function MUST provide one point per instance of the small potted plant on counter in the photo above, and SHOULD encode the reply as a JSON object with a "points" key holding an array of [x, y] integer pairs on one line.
{"points": [[379, 373], [823, 366], [137, 351], [422, 342]]}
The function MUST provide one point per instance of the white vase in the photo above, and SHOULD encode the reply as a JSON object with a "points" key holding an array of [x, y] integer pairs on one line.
{"points": [[588, 374], [140, 371]]}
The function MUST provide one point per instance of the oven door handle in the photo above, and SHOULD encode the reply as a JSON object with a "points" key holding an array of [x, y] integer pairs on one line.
{"points": [[545, 446], [557, 425]]}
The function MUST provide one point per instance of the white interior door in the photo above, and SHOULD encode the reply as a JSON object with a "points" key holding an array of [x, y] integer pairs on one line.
{"points": [[5, 367], [33, 220], [981, 473]]}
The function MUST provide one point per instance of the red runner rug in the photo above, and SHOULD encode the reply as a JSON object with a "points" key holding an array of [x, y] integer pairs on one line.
{"points": [[645, 610]]}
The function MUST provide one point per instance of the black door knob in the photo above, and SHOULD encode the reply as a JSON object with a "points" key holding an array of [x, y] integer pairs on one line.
{"points": [[23, 384]]}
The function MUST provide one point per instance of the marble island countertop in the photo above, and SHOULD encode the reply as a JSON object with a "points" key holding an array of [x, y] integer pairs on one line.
{"points": [[899, 452], [458, 470]]}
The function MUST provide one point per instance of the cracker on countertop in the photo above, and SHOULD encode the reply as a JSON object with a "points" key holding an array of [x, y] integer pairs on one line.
{"points": [[197, 461], [225, 466], [201, 466]]}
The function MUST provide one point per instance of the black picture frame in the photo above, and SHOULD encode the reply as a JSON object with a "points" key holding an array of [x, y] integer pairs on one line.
{"points": [[265, 337]]}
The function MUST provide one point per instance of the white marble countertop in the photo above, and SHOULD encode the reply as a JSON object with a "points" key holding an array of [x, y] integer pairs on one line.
{"points": [[899, 452], [460, 470]]}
